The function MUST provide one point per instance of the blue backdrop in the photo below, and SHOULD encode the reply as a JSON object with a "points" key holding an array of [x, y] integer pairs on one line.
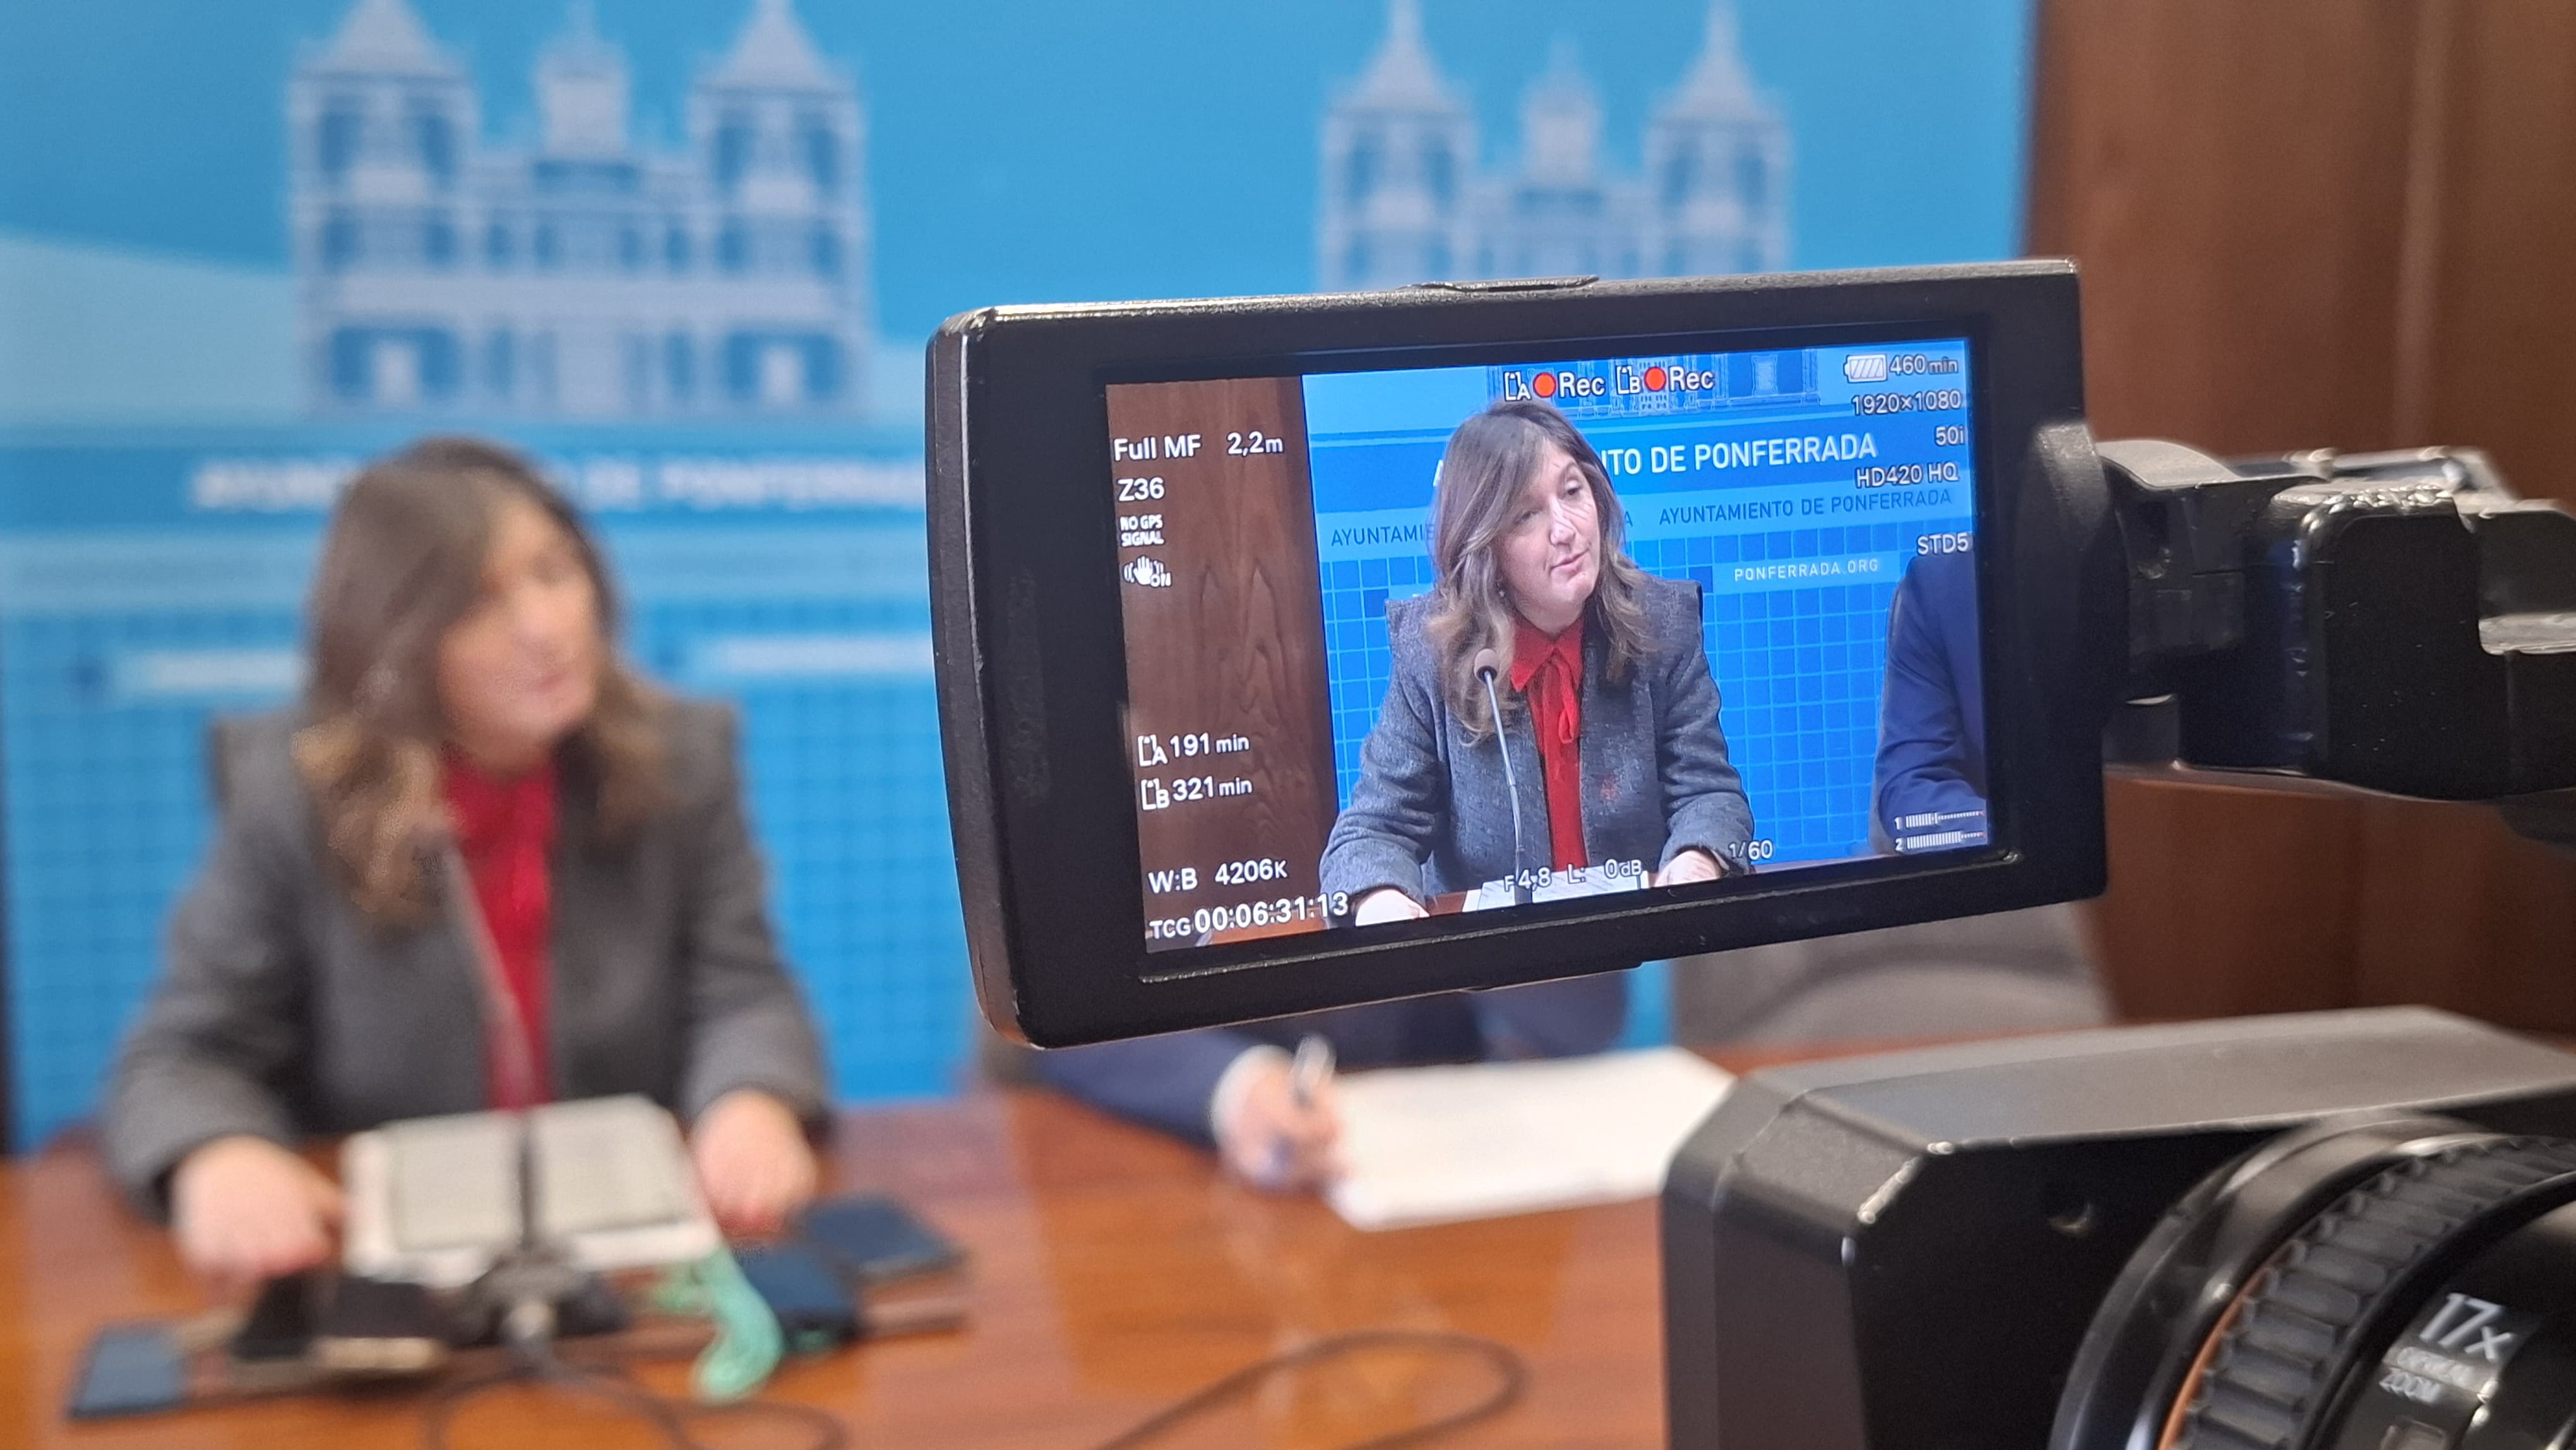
{"points": [[686, 253]]}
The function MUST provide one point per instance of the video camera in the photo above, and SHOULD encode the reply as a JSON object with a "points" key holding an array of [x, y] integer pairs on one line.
{"points": [[1206, 664], [1244, 615]]}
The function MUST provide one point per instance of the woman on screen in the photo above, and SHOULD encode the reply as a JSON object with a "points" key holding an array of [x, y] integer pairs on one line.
{"points": [[1609, 713], [481, 865]]}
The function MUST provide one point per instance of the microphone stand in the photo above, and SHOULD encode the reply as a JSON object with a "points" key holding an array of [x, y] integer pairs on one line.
{"points": [[1486, 668]]}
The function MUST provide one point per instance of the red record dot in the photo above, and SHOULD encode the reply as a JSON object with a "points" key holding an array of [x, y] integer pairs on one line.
{"points": [[1654, 380], [1545, 387]]}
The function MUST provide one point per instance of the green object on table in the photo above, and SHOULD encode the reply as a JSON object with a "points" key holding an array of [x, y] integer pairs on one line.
{"points": [[681, 1290], [748, 1342]]}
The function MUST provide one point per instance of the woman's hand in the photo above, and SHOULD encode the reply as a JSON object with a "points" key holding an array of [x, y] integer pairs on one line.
{"points": [[1272, 1141], [1386, 903], [245, 1210], [1691, 865], [753, 1162]]}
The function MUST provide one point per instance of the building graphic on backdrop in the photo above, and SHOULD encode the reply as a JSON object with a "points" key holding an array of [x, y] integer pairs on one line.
{"points": [[579, 273], [1404, 201]]}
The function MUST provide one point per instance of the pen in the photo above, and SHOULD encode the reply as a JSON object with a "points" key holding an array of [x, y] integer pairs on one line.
{"points": [[1310, 1069]]}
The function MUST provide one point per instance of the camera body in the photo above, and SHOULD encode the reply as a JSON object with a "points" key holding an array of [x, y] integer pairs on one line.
{"points": [[2042, 1242]]}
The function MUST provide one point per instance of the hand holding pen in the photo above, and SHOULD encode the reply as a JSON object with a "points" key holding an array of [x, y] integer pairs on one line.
{"points": [[1284, 1131]]}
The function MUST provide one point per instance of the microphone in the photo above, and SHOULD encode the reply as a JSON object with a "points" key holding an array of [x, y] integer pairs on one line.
{"points": [[1488, 665]]}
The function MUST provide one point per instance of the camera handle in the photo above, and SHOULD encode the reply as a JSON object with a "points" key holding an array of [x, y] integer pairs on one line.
{"points": [[2390, 623]]}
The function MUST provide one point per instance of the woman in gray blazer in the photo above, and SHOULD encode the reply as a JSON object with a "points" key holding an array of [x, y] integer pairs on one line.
{"points": [[482, 864], [1609, 714]]}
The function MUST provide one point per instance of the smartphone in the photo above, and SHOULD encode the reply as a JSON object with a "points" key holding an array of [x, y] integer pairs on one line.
{"points": [[815, 1309], [279, 1327], [378, 1327], [876, 1240], [131, 1369]]}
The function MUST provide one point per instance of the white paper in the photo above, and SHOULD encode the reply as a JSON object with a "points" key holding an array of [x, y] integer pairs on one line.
{"points": [[1439, 1144]]}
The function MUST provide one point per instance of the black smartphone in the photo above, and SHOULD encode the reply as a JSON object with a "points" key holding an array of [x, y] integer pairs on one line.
{"points": [[876, 1240], [362, 1308], [131, 1369], [280, 1323], [374, 1326], [815, 1309]]}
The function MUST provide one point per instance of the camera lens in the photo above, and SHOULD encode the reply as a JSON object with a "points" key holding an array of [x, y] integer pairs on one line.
{"points": [[2487, 1360], [2391, 1284]]}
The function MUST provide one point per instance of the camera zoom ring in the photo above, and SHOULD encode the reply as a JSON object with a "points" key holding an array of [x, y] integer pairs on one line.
{"points": [[2279, 1353]]}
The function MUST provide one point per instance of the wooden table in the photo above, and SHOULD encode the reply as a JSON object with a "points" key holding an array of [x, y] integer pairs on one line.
{"points": [[1113, 1270]]}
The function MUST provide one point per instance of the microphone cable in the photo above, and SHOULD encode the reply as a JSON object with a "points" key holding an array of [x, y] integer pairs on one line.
{"points": [[670, 1417], [1511, 1380]]}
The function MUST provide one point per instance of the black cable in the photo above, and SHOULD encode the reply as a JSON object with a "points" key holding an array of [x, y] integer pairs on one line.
{"points": [[1510, 1370], [668, 1416]]}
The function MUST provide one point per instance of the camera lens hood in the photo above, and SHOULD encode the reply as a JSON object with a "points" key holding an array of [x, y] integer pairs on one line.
{"points": [[2239, 1321]]}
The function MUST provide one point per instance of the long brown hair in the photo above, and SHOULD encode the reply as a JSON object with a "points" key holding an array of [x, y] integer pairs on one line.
{"points": [[1488, 462], [402, 563]]}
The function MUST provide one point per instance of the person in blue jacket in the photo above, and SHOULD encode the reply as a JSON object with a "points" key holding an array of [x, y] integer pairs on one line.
{"points": [[1930, 785]]}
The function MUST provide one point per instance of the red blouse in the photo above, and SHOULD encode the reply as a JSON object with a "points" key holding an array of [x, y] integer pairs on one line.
{"points": [[1549, 672], [506, 831]]}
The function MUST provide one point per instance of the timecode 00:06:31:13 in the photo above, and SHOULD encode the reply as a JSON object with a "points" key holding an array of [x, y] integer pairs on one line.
{"points": [[1282, 911]]}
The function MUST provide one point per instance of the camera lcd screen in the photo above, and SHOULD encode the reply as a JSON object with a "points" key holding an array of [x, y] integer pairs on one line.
{"points": [[1461, 639]]}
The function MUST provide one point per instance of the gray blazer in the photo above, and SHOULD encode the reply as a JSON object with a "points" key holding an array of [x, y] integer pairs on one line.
{"points": [[1430, 813], [285, 1012]]}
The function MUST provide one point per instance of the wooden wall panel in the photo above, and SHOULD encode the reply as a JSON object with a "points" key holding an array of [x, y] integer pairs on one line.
{"points": [[2225, 901], [2504, 315], [1225, 654], [2454, 909], [2228, 176], [2340, 223]]}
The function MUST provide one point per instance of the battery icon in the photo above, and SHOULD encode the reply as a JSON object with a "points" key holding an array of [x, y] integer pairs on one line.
{"points": [[1865, 367]]}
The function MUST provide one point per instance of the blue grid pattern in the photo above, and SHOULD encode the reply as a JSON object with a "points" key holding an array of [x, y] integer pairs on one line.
{"points": [[1798, 668], [107, 816], [1357, 662], [850, 807]]}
